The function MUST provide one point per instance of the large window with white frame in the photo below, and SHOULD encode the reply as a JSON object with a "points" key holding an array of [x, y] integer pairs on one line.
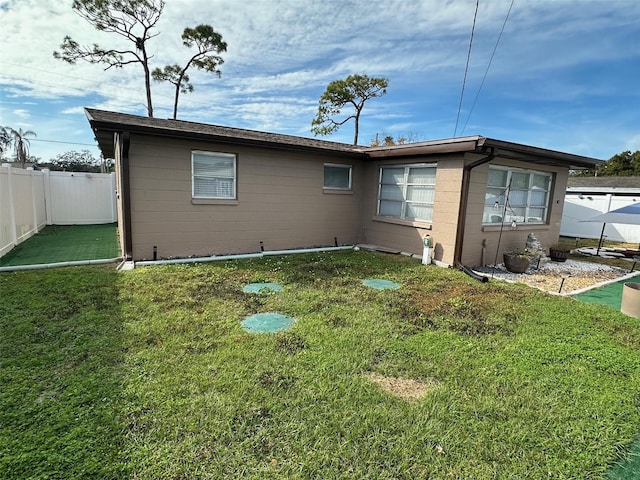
{"points": [[516, 195], [213, 175], [407, 192]]}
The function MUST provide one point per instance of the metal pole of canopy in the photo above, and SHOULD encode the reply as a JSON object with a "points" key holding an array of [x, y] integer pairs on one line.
{"points": [[601, 238]]}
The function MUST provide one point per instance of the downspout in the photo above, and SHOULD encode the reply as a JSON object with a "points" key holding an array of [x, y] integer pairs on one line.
{"points": [[126, 195], [464, 199]]}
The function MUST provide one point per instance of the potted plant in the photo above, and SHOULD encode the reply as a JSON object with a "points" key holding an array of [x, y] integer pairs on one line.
{"points": [[518, 260], [558, 253]]}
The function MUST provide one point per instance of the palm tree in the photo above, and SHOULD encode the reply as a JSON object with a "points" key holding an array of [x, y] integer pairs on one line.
{"points": [[21, 143], [5, 141]]}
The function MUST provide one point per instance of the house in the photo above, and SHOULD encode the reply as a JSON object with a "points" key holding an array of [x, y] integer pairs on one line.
{"points": [[192, 189], [587, 197]]}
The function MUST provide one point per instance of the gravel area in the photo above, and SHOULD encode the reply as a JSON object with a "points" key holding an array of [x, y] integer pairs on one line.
{"points": [[567, 278]]}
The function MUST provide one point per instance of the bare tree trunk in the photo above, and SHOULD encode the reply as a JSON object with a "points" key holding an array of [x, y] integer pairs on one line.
{"points": [[147, 80], [175, 102]]}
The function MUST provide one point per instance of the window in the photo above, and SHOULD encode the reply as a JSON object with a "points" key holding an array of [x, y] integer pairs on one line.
{"points": [[515, 195], [337, 177], [407, 192], [214, 175]]}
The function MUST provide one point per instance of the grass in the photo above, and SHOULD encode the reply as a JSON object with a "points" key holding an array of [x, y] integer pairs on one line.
{"points": [[148, 374], [64, 243]]}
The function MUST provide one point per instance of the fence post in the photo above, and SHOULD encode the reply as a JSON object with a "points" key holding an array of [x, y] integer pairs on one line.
{"points": [[12, 212], [34, 209], [47, 196], [114, 214]]}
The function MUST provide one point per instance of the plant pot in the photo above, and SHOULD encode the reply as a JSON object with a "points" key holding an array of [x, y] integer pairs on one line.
{"points": [[516, 263], [558, 254], [630, 304]]}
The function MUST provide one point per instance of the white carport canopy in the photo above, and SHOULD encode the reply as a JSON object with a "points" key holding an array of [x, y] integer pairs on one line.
{"points": [[628, 215]]}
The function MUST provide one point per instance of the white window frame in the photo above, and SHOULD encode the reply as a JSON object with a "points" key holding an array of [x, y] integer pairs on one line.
{"points": [[509, 213], [337, 165], [194, 177], [405, 184]]}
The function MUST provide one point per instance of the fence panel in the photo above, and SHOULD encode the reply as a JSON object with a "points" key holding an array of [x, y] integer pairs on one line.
{"points": [[30, 199], [81, 198], [579, 207], [7, 225]]}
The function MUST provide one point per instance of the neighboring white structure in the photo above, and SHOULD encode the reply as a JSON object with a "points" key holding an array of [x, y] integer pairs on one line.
{"points": [[31, 199], [587, 197]]}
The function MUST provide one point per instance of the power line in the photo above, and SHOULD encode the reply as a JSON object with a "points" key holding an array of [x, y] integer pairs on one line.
{"points": [[466, 68], [59, 141], [488, 66]]}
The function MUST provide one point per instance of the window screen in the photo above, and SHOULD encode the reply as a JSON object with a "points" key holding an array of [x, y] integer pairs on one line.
{"points": [[213, 175]]}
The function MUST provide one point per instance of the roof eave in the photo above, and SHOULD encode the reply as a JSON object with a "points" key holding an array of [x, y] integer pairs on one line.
{"points": [[517, 151], [480, 145], [449, 145], [104, 131]]}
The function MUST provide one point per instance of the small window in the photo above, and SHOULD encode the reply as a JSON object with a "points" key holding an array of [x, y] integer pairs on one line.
{"points": [[337, 177], [213, 175]]}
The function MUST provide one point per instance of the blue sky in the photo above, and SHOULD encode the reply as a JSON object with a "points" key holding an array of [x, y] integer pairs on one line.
{"points": [[565, 75]]}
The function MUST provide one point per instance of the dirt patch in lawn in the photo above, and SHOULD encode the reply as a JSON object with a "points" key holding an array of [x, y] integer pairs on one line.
{"points": [[406, 388]]}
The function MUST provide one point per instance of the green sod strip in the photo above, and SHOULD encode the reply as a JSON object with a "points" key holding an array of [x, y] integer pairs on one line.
{"points": [[65, 243], [610, 295]]}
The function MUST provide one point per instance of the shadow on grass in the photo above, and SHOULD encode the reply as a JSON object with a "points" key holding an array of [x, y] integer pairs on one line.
{"points": [[65, 243], [60, 387]]}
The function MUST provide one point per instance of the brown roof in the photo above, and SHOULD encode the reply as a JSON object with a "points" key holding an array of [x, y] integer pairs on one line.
{"points": [[604, 182], [104, 123], [485, 145]]}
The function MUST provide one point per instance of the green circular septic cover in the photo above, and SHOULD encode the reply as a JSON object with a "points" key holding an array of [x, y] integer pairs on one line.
{"points": [[381, 284], [267, 323], [261, 288]]}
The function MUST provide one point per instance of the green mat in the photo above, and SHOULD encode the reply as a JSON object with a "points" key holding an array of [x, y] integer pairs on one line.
{"points": [[610, 295], [65, 243]]}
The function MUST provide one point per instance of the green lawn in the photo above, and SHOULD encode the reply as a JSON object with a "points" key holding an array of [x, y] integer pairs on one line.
{"points": [[65, 243], [148, 374]]}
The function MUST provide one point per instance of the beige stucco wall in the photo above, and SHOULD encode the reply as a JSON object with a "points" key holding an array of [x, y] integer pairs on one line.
{"points": [[281, 202], [475, 233], [408, 236]]}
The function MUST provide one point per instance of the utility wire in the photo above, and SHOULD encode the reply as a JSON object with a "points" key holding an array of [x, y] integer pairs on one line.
{"points": [[466, 68], [59, 141], [488, 66]]}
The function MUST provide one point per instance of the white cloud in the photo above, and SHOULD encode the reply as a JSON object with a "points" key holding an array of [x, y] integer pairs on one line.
{"points": [[283, 53]]}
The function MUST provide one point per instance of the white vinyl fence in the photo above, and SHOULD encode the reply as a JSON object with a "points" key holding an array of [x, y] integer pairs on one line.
{"points": [[579, 207], [31, 199]]}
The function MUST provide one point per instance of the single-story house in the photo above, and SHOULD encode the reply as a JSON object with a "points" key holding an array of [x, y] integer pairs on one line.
{"points": [[192, 189]]}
